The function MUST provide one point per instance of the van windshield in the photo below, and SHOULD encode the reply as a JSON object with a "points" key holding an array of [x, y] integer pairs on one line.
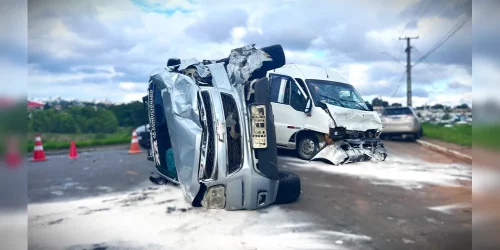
{"points": [[336, 93]]}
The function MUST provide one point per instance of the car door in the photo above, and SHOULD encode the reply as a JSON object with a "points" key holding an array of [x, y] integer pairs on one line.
{"points": [[288, 101], [161, 144]]}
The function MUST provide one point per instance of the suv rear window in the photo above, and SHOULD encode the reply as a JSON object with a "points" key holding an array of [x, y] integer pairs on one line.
{"points": [[397, 111]]}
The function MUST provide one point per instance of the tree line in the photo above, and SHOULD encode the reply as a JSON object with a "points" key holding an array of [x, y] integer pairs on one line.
{"points": [[76, 119], [381, 103]]}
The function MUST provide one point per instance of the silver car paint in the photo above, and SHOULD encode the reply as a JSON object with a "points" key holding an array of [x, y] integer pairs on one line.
{"points": [[180, 100]]}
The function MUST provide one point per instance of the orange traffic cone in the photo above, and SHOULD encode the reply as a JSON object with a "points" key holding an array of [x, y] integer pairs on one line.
{"points": [[38, 153], [72, 151], [13, 158], [134, 144]]}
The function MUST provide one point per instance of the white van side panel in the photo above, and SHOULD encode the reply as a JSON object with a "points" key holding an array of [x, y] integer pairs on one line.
{"points": [[287, 121], [319, 121]]}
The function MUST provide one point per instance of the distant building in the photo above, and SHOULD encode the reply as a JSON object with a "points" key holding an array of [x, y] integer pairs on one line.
{"points": [[35, 105]]}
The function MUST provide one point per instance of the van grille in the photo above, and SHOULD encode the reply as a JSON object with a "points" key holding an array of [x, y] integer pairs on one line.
{"points": [[234, 154], [210, 158]]}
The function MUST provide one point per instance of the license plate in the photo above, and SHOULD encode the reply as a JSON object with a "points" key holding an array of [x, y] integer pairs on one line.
{"points": [[259, 126]]}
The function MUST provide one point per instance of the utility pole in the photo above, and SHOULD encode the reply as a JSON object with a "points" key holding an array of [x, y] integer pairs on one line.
{"points": [[408, 68]]}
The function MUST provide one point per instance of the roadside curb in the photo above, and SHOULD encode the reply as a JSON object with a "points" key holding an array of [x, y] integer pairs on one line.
{"points": [[445, 150]]}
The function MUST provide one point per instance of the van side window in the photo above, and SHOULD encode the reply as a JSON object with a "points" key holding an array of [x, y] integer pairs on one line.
{"points": [[275, 83], [280, 89], [297, 98], [284, 95]]}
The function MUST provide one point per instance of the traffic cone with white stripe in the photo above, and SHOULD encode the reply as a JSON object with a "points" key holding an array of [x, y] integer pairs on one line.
{"points": [[134, 144], [38, 153]]}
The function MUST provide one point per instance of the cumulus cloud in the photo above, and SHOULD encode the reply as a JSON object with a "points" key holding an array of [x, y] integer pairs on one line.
{"points": [[113, 46], [217, 26]]}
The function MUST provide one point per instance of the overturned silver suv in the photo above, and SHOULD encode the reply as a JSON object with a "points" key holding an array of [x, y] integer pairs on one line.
{"points": [[212, 130]]}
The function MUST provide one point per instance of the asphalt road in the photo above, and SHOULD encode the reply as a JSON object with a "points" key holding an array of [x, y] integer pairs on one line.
{"points": [[416, 199]]}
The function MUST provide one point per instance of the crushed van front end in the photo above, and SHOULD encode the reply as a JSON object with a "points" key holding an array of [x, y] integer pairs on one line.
{"points": [[354, 137]]}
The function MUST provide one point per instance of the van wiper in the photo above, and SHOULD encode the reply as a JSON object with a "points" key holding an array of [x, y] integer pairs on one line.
{"points": [[357, 103], [333, 99]]}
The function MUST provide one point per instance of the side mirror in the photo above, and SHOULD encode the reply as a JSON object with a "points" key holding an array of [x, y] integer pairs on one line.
{"points": [[370, 107], [307, 110]]}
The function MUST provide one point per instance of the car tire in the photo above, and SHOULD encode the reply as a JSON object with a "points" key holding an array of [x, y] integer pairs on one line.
{"points": [[288, 188], [307, 146]]}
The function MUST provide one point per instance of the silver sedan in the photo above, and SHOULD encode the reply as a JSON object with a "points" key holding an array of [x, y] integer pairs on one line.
{"points": [[401, 121]]}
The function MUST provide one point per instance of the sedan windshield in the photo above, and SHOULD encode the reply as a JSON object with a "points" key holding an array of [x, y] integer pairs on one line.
{"points": [[336, 93]]}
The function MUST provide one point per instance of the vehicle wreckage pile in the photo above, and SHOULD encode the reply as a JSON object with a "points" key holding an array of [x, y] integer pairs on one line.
{"points": [[212, 131]]}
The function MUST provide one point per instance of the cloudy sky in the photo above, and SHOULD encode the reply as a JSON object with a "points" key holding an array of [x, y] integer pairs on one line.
{"points": [[106, 49]]}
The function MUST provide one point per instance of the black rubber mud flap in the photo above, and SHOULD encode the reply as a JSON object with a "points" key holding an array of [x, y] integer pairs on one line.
{"points": [[288, 189]]}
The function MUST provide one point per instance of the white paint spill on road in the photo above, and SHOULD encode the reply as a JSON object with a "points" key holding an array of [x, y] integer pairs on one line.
{"points": [[408, 241], [13, 229], [395, 171], [160, 219], [449, 209]]}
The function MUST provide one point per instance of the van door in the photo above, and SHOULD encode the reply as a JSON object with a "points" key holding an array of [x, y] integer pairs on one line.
{"points": [[288, 100]]}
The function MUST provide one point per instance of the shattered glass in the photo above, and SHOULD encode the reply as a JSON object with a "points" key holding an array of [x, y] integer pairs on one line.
{"points": [[201, 69]]}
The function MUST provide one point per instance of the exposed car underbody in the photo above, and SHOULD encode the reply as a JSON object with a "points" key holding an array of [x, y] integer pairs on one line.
{"points": [[212, 130]]}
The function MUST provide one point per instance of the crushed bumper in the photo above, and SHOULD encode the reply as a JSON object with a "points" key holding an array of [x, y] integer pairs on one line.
{"points": [[353, 150]]}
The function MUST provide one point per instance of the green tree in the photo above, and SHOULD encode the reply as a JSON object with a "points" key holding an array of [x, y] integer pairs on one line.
{"points": [[379, 102]]}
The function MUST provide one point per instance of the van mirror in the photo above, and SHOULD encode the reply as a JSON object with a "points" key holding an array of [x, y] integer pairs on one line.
{"points": [[307, 110], [370, 107]]}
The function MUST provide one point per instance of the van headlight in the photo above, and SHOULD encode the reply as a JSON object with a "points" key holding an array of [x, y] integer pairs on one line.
{"points": [[215, 197]]}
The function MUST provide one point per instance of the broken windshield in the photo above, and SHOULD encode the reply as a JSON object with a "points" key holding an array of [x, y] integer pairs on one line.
{"points": [[336, 93]]}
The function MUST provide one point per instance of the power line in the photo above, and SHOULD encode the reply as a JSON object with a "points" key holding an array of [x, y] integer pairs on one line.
{"points": [[403, 30], [399, 84], [425, 10], [432, 67], [445, 38]]}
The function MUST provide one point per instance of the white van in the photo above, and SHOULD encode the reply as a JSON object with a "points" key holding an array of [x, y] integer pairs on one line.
{"points": [[315, 107]]}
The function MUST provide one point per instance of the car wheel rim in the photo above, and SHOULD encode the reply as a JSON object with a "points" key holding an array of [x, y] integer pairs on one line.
{"points": [[307, 146]]}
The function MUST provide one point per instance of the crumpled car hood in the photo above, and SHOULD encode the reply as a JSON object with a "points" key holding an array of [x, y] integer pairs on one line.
{"points": [[353, 119]]}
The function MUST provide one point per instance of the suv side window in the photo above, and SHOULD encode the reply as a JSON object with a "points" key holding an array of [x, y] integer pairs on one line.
{"points": [[297, 98]]}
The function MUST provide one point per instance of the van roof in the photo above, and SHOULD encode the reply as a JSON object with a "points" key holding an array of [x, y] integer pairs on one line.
{"points": [[309, 72]]}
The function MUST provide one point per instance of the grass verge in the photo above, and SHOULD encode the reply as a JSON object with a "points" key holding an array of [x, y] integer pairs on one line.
{"points": [[458, 134], [63, 141]]}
